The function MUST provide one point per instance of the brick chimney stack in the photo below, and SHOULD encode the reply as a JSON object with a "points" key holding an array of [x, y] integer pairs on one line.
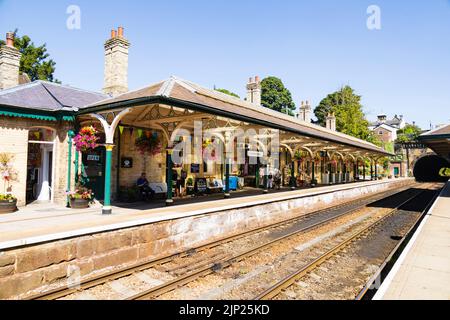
{"points": [[254, 91], [330, 121], [305, 112], [116, 63], [9, 63]]}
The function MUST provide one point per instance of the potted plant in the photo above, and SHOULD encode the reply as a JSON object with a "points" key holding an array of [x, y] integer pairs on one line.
{"points": [[81, 197], [190, 186], [86, 139], [8, 202]]}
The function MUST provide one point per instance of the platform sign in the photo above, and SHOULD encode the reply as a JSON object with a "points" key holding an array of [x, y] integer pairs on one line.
{"points": [[257, 154]]}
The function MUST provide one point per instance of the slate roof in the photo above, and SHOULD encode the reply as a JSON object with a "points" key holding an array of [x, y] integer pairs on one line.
{"points": [[48, 96], [189, 94]]}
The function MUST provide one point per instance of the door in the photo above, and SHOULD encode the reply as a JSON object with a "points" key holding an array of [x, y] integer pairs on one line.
{"points": [[94, 171], [396, 171]]}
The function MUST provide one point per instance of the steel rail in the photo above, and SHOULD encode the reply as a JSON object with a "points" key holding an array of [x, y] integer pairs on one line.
{"points": [[289, 280], [126, 271], [403, 242], [220, 264]]}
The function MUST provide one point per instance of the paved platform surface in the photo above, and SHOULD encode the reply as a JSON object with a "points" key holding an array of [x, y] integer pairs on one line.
{"points": [[39, 223], [423, 269]]}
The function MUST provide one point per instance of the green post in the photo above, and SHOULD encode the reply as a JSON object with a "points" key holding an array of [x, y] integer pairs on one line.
{"points": [[169, 200], [376, 170], [364, 170], [227, 177], [70, 135], [77, 162], [313, 174], [292, 175], [371, 170], [107, 201], [266, 179], [257, 173]]}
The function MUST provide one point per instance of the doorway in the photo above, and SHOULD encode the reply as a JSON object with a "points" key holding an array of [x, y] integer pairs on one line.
{"points": [[93, 171], [40, 165]]}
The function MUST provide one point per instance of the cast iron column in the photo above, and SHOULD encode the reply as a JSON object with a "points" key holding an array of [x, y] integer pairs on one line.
{"points": [[169, 199], [227, 177], [293, 183], [107, 201]]}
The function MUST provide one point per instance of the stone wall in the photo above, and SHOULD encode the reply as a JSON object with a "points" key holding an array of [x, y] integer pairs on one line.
{"points": [[32, 269]]}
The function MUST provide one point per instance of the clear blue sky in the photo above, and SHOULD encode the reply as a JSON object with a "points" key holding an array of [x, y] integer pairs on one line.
{"points": [[315, 47]]}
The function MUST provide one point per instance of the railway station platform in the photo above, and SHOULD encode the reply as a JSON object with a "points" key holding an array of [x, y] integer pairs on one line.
{"points": [[423, 269], [46, 222], [45, 246]]}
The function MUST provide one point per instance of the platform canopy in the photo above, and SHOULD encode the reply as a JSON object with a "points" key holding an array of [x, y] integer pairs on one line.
{"points": [[438, 140], [183, 99]]}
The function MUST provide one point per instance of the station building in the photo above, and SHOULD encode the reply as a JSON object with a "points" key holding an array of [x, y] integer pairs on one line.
{"points": [[38, 121]]}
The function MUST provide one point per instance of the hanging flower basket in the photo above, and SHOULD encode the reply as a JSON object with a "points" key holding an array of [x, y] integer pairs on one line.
{"points": [[299, 155], [86, 139], [148, 144], [209, 151]]}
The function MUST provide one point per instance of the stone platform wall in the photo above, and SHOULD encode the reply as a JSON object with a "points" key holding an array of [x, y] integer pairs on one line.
{"points": [[36, 268]]}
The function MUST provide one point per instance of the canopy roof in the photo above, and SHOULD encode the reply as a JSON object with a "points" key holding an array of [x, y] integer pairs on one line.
{"points": [[48, 96], [181, 93], [438, 140]]}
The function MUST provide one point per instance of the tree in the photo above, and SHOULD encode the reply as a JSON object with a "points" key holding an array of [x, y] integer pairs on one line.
{"points": [[350, 118], [409, 133], [35, 61], [275, 96], [227, 92]]}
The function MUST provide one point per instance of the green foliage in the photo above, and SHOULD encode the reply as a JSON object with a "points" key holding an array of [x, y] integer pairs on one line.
{"points": [[350, 118], [227, 92], [275, 96], [7, 197], [409, 133], [35, 60]]}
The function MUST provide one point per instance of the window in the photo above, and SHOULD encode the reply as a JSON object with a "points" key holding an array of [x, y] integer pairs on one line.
{"points": [[380, 132]]}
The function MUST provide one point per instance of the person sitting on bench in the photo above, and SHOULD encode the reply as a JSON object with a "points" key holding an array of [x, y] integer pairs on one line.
{"points": [[144, 188]]}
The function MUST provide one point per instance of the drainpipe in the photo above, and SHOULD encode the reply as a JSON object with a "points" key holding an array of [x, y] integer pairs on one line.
{"points": [[107, 201], [70, 135]]}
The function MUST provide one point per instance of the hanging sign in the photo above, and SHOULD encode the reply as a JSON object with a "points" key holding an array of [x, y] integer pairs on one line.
{"points": [[258, 154], [126, 162]]}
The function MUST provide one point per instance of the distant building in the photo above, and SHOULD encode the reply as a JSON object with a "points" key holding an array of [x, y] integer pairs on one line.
{"points": [[406, 154]]}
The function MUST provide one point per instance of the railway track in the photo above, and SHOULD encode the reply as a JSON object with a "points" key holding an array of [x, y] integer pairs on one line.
{"points": [[281, 286], [297, 225]]}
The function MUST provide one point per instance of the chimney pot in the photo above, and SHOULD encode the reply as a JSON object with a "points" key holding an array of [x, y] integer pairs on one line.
{"points": [[256, 79], [120, 31], [113, 34], [10, 39], [250, 80]]}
